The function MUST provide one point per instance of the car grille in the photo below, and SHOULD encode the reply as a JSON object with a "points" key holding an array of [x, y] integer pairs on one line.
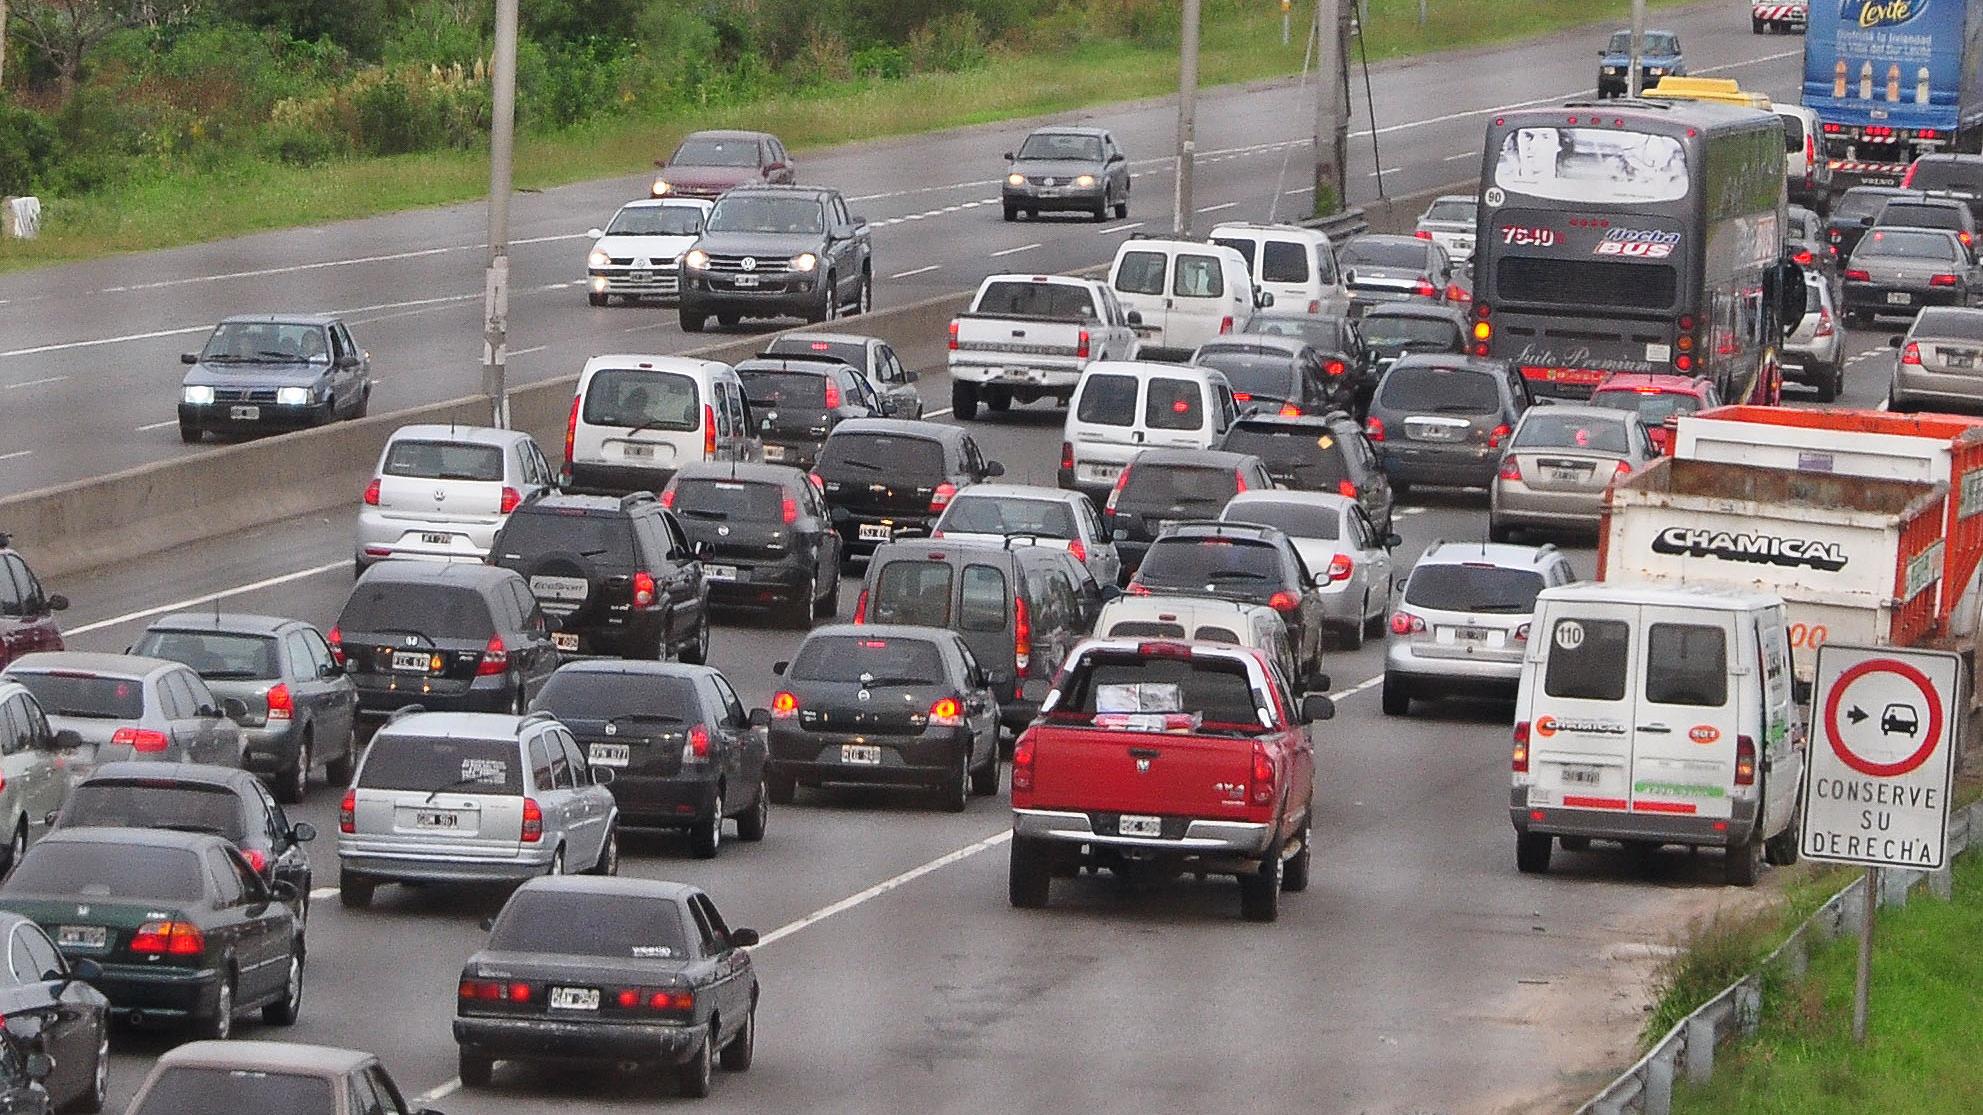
{"points": [[760, 265], [658, 280], [244, 394], [1050, 180]]}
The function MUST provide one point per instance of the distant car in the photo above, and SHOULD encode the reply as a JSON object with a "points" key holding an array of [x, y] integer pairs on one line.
{"points": [[885, 478], [706, 164], [1463, 624], [1558, 466], [1350, 559], [1326, 453], [1938, 361], [1276, 375], [440, 493], [1854, 211], [269, 1076], [1296, 266], [608, 972], [638, 254], [1345, 356], [1949, 174], [1901, 270], [1450, 222], [1807, 164], [1779, 15], [1383, 268], [1396, 330], [50, 1008], [301, 708], [444, 637], [34, 775], [27, 611], [1814, 353], [992, 513], [1247, 563], [1659, 56], [1945, 213], [1062, 168], [1658, 400], [108, 707], [777, 251], [796, 401], [1200, 619], [1443, 420], [766, 538], [872, 357], [1163, 486], [264, 372]]}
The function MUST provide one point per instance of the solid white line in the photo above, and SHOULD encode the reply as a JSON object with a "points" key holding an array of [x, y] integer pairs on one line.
{"points": [[109, 340], [1357, 688], [223, 594], [323, 892], [158, 425], [1115, 230], [36, 382], [522, 352], [440, 1093], [1015, 251], [917, 271], [886, 885], [1221, 206], [926, 414], [265, 271], [16, 454]]}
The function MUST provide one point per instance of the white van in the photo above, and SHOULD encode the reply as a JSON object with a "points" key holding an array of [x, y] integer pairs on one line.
{"points": [[1199, 619], [1187, 291], [1122, 407], [1296, 265], [1658, 716], [1807, 169], [636, 419]]}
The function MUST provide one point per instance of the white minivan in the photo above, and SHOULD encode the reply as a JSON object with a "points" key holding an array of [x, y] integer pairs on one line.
{"points": [[1122, 407], [1653, 716], [636, 419], [1187, 291], [1296, 265]]}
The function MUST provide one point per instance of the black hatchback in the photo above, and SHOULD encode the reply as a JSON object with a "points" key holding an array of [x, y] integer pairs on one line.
{"points": [[798, 400], [1161, 486], [766, 537], [1275, 375], [1445, 419], [887, 478], [1401, 329], [1344, 356], [447, 637], [1323, 453]]}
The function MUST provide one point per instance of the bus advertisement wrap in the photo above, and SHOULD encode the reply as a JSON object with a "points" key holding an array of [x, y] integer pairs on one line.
{"points": [[1895, 63]]}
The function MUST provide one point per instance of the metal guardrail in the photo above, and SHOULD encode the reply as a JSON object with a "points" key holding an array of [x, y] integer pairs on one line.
{"points": [[1689, 1047], [1339, 226]]}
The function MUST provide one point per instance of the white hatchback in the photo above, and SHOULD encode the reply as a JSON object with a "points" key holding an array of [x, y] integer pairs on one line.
{"points": [[638, 254], [440, 493]]}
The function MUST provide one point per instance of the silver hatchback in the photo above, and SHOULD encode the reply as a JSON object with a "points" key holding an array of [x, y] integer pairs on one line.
{"points": [[1940, 361], [1349, 559], [1463, 625], [1558, 465], [440, 493]]}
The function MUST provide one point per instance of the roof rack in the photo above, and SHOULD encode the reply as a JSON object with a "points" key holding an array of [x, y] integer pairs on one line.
{"points": [[635, 499]]}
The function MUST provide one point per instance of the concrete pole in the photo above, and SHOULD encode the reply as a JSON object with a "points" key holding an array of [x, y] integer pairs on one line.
{"points": [[1332, 108], [1633, 75], [1862, 980], [1187, 110], [502, 145]]}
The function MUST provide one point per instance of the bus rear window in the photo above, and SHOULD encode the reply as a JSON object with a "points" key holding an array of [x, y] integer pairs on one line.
{"points": [[1593, 165], [1586, 282]]}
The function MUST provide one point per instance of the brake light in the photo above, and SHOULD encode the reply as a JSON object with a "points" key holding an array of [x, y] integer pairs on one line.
{"points": [[511, 497], [696, 750], [1522, 633], [861, 607], [708, 432], [1315, 305], [1284, 602], [1457, 293], [1941, 280], [1347, 488], [282, 704], [347, 812], [788, 510], [1911, 354], [1824, 324], [142, 740], [1965, 238], [256, 858], [495, 658], [1498, 434], [1404, 623], [832, 394], [818, 481], [1081, 346], [1022, 636], [940, 498], [668, 496], [1225, 324], [1422, 234], [372, 493], [953, 336], [945, 712], [1425, 289], [643, 589], [1077, 551], [1340, 567], [784, 705], [533, 821], [571, 433], [1115, 493], [1263, 775], [1856, 275], [1373, 428], [1022, 763], [1067, 456], [1239, 482], [1803, 258], [1289, 410], [169, 938], [495, 991], [1511, 469], [1745, 761], [1623, 469], [1335, 367], [1521, 754]]}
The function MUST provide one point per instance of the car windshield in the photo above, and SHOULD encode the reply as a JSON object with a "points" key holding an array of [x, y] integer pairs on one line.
{"points": [[851, 353], [1424, 334], [1062, 145], [266, 342], [1370, 251], [1324, 333], [473, 766], [1241, 565], [1415, 389], [1916, 215], [1297, 520], [1317, 451], [1254, 373], [1621, 43], [656, 220], [1458, 210], [1906, 243], [1542, 430], [1952, 324], [214, 655], [1853, 204], [865, 456], [433, 610], [858, 658], [1947, 174], [969, 514], [155, 803], [626, 926], [599, 695], [1130, 691], [1476, 587], [1023, 298], [444, 460], [606, 540], [1168, 485], [214, 1091], [768, 387], [711, 151], [642, 399], [767, 213], [67, 693], [1652, 406], [746, 501], [102, 870]]}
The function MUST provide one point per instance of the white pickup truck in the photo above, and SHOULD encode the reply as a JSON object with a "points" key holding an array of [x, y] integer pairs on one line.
{"points": [[1028, 337]]}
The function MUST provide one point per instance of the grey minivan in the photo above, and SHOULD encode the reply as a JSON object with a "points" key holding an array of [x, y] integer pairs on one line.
{"points": [[1444, 419], [125, 706]]}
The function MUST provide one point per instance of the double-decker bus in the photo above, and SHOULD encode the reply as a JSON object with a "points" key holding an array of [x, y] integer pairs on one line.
{"points": [[1633, 236]]}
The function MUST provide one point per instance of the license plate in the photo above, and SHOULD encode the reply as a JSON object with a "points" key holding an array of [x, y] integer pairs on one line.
{"points": [[1583, 776], [1567, 474], [876, 532], [1899, 298], [436, 819], [1470, 634], [720, 572], [746, 280], [82, 936], [574, 998], [1134, 825], [609, 754], [774, 452], [1165, 524], [1959, 359], [416, 661], [244, 414], [860, 755], [1463, 245], [430, 539], [637, 451], [564, 641], [639, 276], [1102, 472]]}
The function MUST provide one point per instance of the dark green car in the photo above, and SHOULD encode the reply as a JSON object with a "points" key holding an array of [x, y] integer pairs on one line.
{"points": [[184, 931]]}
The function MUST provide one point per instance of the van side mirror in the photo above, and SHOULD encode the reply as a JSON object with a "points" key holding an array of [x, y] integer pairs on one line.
{"points": [[778, 668], [1392, 541], [189, 358], [760, 718], [1263, 299], [234, 708], [84, 969], [1895, 340], [994, 470], [1317, 707], [1134, 317], [1007, 156], [1349, 276], [595, 233], [1800, 690]]}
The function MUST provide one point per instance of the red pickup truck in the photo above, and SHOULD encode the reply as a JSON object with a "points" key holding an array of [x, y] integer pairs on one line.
{"points": [[1157, 758]]}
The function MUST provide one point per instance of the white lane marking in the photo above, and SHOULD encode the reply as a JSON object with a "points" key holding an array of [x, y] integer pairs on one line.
{"points": [[886, 885], [16, 454], [1408, 511], [1217, 208], [266, 271], [323, 892], [1117, 230], [1357, 688], [36, 382], [109, 340], [936, 413], [223, 594], [157, 425], [440, 1093], [1461, 155], [1015, 251], [528, 351], [917, 271]]}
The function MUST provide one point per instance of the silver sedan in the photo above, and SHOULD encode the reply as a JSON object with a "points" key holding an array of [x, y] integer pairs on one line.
{"points": [[1558, 465], [1349, 560]]}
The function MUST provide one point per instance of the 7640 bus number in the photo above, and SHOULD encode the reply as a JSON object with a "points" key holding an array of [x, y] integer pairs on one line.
{"points": [[1528, 237]]}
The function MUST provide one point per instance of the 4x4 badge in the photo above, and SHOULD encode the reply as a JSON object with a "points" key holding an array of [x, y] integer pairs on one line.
{"points": [[612, 729]]}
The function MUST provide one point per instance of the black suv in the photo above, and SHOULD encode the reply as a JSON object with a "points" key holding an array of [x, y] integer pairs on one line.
{"points": [[619, 574], [1399, 329], [1445, 419], [1854, 212], [1325, 453], [1949, 174], [766, 537], [777, 251], [27, 614], [873, 357], [886, 478], [1247, 564], [448, 637], [1275, 375], [797, 400], [1161, 486]]}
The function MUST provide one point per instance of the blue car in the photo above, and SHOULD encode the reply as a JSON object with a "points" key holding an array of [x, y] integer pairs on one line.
{"points": [[1659, 56], [259, 373]]}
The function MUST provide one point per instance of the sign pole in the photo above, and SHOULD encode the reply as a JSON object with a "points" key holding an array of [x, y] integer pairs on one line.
{"points": [[1862, 980]]}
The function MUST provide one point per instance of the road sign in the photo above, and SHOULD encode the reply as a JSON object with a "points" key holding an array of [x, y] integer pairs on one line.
{"points": [[1885, 721]]}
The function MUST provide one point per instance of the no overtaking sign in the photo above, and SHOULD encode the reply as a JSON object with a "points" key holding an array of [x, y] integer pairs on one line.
{"points": [[1884, 725]]}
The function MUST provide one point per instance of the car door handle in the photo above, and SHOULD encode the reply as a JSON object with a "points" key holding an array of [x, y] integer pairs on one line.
{"points": [[1658, 729], [1143, 752]]}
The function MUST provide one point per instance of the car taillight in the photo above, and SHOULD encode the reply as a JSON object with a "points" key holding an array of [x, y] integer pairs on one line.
{"points": [[643, 589], [495, 991], [1081, 346], [1425, 289], [953, 337], [1856, 275], [941, 496], [256, 858], [1239, 482], [696, 750], [140, 739], [1340, 567], [1404, 623], [1802, 258], [347, 812], [1022, 763], [1824, 324], [668, 496], [1745, 761], [1911, 354], [708, 432], [1263, 775], [1422, 234], [1022, 636], [1511, 469], [1284, 602], [169, 938], [1067, 456], [832, 394], [1315, 305], [1498, 434], [533, 821], [1077, 551], [1289, 410], [861, 607], [495, 658], [1456, 293], [1115, 493], [788, 510], [282, 703], [1335, 367], [1621, 471], [945, 712], [1225, 324], [1810, 148], [372, 493], [1942, 280], [1521, 754], [511, 498], [336, 640], [1347, 488], [784, 705], [1373, 428], [571, 434]]}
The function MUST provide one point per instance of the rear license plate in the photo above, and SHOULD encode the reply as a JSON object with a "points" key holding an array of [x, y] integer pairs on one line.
{"points": [[574, 998], [1134, 825], [746, 280], [1101, 472], [244, 414], [720, 572], [1899, 298], [609, 754], [1959, 359], [564, 640], [415, 661], [1470, 634], [430, 539], [1567, 474], [1583, 776], [637, 451], [774, 452], [860, 755], [436, 819], [82, 936], [876, 532]]}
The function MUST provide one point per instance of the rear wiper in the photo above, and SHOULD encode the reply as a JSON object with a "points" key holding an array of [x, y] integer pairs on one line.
{"points": [[1503, 607], [457, 784], [852, 463], [698, 513], [1455, 408], [1246, 574], [85, 714], [870, 683], [228, 675]]}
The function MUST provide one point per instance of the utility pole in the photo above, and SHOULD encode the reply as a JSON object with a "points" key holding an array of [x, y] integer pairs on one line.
{"points": [[1187, 110], [1332, 107], [496, 287], [1632, 82], [3, 46]]}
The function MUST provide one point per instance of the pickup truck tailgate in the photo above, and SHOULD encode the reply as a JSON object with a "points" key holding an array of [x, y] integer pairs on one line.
{"points": [[1115, 771]]}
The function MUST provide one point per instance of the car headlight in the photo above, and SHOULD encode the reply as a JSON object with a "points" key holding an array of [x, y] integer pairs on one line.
{"points": [[292, 396], [198, 396], [696, 259], [1085, 181], [1015, 179], [804, 261], [598, 258], [661, 187]]}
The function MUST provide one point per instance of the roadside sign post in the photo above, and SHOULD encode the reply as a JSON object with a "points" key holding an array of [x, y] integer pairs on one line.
{"points": [[1884, 726]]}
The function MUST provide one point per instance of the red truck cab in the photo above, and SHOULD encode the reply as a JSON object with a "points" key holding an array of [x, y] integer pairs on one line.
{"points": [[1166, 757], [1659, 400]]}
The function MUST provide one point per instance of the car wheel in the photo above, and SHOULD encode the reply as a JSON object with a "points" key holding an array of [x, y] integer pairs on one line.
{"points": [[1352, 636], [1781, 850], [998, 400], [693, 1078], [1755, 26], [1742, 865], [738, 1054], [364, 402], [1829, 382], [475, 1069], [284, 1011], [829, 298], [829, 605], [337, 771], [598, 298], [1294, 873], [1397, 696], [1030, 874], [220, 1025], [1498, 533], [1532, 852], [1122, 208], [1373, 626], [296, 780], [698, 655], [1260, 892], [783, 788], [729, 319], [706, 835], [984, 782], [1101, 212], [92, 1101], [1012, 212], [609, 855], [802, 616], [954, 793], [751, 824], [354, 892], [693, 322], [557, 867], [191, 434], [17, 846], [963, 401]]}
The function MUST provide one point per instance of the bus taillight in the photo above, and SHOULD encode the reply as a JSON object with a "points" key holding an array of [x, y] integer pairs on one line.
{"points": [[1684, 362]]}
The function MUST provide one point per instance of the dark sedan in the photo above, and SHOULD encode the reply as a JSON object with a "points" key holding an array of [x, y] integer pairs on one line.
{"points": [[1901, 270], [1064, 169], [261, 372], [885, 478], [1277, 375], [769, 537], [1344, 353], [1404, 328], [796, 402], [1384, 268], [50, 1007], [609, 971], [706, 164], [1854, 212], [872, 357], [182, 928]]}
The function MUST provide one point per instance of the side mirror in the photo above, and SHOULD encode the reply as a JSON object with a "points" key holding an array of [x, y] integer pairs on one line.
{"points": [[330, 670], [1264, 299], [58, 603], [911, 375], [1322, 579], [1392, 541], [1866, 221], [1111, 592], [760, 718], [994, 469], [233, 708], [743, 938], [1007, 156], [700, 549], [1800, 690], [1895, 341], [1134, 317], [84, 969], [841, 232], [38, 1066], [487, 923], [189, 358], [1316, 707], [603, 776], [302, 832], [349, 360], [1349, 276], [595, 233], [778, 668], [68, 738], [53, 816]]}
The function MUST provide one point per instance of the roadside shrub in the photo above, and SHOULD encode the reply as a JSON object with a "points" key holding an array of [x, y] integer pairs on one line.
{"points": [[582, 80], [303, 146], [89, 172], [435, 32], [27, 148], [393, 119], [947, 44], [886, 63]]}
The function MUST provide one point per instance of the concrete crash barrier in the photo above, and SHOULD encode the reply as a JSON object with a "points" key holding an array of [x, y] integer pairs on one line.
{"points": [[20, 217]]}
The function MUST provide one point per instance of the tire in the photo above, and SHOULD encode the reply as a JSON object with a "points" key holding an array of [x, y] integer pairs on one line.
{"points": [[802, 615], [1122, 209], [92, 1101], [1029, 877], [1498, 533], [364, 402], [17, 847], [698, 655], [1294, 873], [1260, 892], [829, 303], [1101, 212], [691, 323], [475, 1069], [783, 788], [609, 855], [954, 792], [1351, 636], [1829, 382], [737, 1055], [191, 435], [728, 320], [1755, 27], [1373, 627], [998, 400], [597, 299], [984, 783], [295, 782], [1742, 865], [1011, 213], [1781, 850], [828, 606], [706, 835], [692, 1079], [1575, 843], [752, 823], [219, 1026], [963, 401], [337, 771], [284, 1011], [1397, 696], [354, 892], [1532, 852]]}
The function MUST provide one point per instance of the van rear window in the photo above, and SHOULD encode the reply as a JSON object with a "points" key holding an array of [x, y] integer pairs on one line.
{"points": [[1691, 663], [1173, 404], [629, 397], [1434, 390], [1108, 400], [912, 592], [1587, 659], [1283, 261], [982, 606]]}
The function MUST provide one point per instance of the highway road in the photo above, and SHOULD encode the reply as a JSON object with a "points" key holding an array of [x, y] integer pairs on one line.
{"points": [[89, 368]]}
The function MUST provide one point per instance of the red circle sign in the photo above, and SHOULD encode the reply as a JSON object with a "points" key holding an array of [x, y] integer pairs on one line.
{"points": [[1861, 764]]}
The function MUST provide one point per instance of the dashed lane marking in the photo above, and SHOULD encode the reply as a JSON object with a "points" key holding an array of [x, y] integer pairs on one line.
{"points": [[16, 454], [194, 602], [1015, 251], [148, 427], [36, 382], [917, 271]]}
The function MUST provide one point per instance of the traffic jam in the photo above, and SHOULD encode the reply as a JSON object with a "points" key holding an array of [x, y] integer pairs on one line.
{"points": [[1129, 571]]}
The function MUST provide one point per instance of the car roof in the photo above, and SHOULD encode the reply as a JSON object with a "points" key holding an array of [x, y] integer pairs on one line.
{"points": [[1264, 227], [1575, 410], [472, 574], [805, 335], [631, 667], [1627, 592], [1319, 422], [1456, 197], [233, 623], [792, 188], [1285, 345], [125, 837], [666, 202], [753, 471], [802, 363], [468, 435], [1452, 361], [906, 427], [280, 319], [1214, 528], [653, 362], [1936, 201], [619, 885], [1331, 501], [725, 133], [280, 1056], [1506, 554], [881, 630], [1149, 368], [1067, 129], [206, 774], [455, 725], [1192, 458], [93, 662], [1181, 602], [1388, 238], [1664, 382], [1032, 492], [1416, 309]]}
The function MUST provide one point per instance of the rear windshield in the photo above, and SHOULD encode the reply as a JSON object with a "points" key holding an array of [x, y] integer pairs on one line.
{"points": [[1226, 564], [1002, 515], [873, 660], [853, 354], [215, 656], [1298, 520], [444, 460], [1921, 216], [1451, 211], [1652, 407], [1175, 485], [1384, 330], [587, 695], [766, 388], [1254, 373], [156, 804], [1108, 400], [1323, 332], [1561, 431], [650, 400], [1903, 242], [715, 151], [1693, 665], [630, 927], [469, 766], [1957, 324], [1173, 404], [1199, 277], [1440, 391], [1020, 298], [427, 609], [881, 456], [744, 500], [656, 220], [120, 870], [1859, 203], [1947, 174], [1244, 247], [912, 592], [66, 694], [197, 1091], [1291, 447], [1587, 659], [605, 539], [1473, 588], [1793, 132], [1121, 690], [1368, 252], [1141, 273]]}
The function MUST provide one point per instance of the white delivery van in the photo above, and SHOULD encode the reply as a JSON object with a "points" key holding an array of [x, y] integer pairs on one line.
{"points": [[1187, 291], [1201, 619], [1296, 265], [636, 419], [1122, 407], [1655, 716]]}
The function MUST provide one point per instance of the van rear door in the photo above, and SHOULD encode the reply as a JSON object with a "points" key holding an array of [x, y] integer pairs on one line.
{"points": [[1580, 740], [1684, 736]]}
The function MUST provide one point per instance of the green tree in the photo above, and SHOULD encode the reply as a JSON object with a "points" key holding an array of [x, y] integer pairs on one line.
{"points": [[359, 26]]}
